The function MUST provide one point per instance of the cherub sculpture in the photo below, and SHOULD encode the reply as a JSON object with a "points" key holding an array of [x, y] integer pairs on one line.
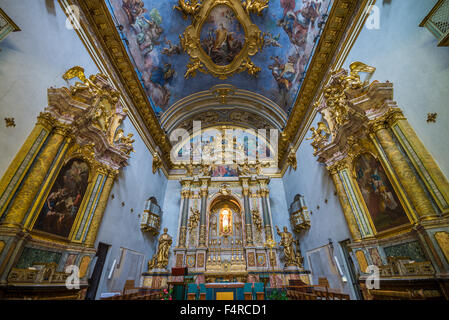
{"points": [[317, 135]]}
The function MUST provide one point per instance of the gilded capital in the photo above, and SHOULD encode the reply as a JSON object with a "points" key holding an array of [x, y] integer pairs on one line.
{"points": [[394, 116], [378, 125], [185, 193], [338, 166], [204, 192]]}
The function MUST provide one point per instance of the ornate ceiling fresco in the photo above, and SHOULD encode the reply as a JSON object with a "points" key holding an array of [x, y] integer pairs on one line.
{"points": [[255, 45]]}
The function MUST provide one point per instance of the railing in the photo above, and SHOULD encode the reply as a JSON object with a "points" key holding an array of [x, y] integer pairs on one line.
{"points": [[314, 293], [300, 220], [437, 22], [138, 294]]}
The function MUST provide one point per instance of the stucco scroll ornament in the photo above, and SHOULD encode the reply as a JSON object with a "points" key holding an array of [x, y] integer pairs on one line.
{"points": [[256, 6], [160, 259], [157, 163], [244, 168], [258, 166], [353, 81], [225, 189], [188, 8], [190, 169], [96, 113], [291, 160], [191, 38], [205, 168]]}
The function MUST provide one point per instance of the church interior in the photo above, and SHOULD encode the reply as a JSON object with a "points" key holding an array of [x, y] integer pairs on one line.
{"points": [[224, 150]]}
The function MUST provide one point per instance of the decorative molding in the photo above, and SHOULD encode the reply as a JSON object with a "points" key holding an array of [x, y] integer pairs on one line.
{"points": [[99, 35]]}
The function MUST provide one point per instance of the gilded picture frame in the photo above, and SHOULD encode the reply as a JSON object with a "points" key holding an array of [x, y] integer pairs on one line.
{"points": [[191, 38]]}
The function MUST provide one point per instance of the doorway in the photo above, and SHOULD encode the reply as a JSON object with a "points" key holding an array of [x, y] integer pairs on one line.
{"points": [[352, 270], [94, 280]]}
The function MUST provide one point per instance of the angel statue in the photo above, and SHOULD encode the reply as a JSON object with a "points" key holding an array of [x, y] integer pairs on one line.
{"points": [[353, 80], [124, 142], [317, 135]]}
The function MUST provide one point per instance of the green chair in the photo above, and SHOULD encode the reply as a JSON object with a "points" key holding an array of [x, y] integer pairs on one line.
{"points": [[259, 290], [192, 291], [248, 291], [202, 291]]}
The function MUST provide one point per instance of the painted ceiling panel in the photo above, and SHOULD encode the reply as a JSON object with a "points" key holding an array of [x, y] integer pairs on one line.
{"points": [[150, 30]]}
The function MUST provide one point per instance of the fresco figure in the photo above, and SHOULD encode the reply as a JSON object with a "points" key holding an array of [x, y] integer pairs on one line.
{"points": [[381, 200], [150, 31], [133, 9], [224, 171], [300, 21], [222, 38], [62, 204]]}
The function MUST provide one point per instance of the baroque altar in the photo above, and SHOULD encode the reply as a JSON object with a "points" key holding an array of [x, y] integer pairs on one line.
{"points": [[226, 233]]}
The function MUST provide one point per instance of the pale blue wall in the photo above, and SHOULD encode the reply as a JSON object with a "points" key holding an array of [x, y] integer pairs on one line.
{"points": [[312, 180], [279, 207], [35, 59], [31, 61], [121, 227], [408, 56], [171, 218]]}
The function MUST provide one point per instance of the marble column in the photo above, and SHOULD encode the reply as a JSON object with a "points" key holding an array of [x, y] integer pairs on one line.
{"points": [[344, 201], [23, 160], [407, 177], [204, 192], [99, 211], [436, 181], [246, 208], [36, 176], [185, 195], [264, 194]]}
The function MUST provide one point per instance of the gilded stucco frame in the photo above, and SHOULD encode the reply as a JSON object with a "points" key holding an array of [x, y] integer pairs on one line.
{"points": [[201, 61]]}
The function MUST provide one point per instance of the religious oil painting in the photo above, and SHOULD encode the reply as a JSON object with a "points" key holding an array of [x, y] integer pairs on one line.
{"points": [[222, 35], [63, 202], [225, 171], [383, 204]]}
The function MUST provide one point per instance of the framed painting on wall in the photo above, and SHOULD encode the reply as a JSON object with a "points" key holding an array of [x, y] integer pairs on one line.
{"points": [[383, 204], [64, 200]]}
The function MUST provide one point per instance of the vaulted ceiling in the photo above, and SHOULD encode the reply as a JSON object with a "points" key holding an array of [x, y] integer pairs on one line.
{"points": [[151, 31], [144, 40]]}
